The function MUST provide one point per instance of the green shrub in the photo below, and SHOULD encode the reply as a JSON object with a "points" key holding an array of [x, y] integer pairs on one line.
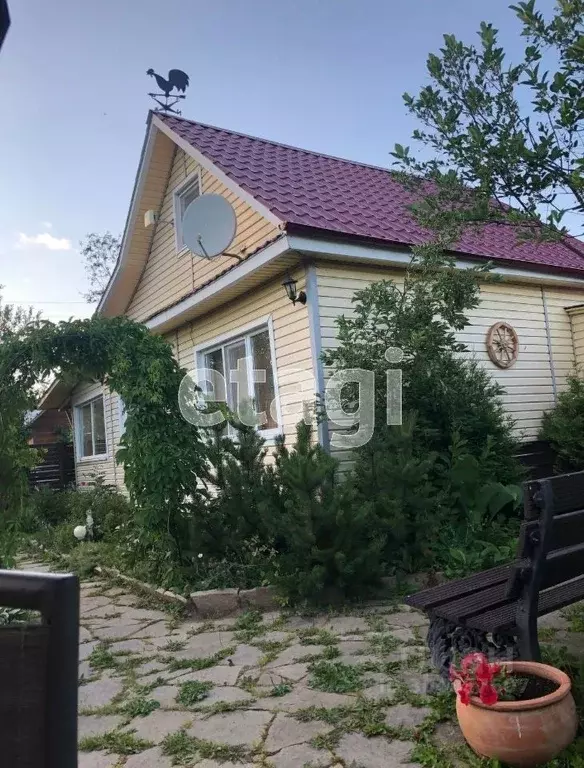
{"points": [[329, 546], [391, 484], [240, 509], [86, 555], [45, 507], [563, 426], [434, 509]]}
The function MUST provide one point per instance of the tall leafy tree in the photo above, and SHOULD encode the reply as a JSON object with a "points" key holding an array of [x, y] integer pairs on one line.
{"points": [[504, 139], [100, 253], [14, 318], [15, 455]]}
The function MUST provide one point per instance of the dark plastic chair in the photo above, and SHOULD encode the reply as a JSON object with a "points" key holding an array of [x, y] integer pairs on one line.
{"points": [[39, 672]]}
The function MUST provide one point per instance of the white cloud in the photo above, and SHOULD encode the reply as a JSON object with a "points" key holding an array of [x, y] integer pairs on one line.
{"points": [[46, 224], [45, 240]]}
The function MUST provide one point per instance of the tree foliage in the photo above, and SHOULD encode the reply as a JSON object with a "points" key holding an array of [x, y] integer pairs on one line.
{"points": [[328, 546], [563, 426], [100, 253], [446, 390], [163, 455], [15, 319], [502, 133], [16, 458]]}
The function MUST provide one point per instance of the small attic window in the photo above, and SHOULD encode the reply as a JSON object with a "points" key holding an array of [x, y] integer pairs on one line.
{"points": [[184, 195]]}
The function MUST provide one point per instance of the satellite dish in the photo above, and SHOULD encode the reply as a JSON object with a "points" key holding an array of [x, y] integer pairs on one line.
{"points": [[208, 225]]}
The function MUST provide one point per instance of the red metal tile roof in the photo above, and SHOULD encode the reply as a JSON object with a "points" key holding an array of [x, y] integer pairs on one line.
{"points": [[349, 199]]}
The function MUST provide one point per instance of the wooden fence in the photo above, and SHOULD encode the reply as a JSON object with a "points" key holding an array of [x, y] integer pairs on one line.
{"points": [[57, 469]]}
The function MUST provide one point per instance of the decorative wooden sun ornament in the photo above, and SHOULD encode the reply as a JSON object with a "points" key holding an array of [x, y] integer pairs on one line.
{"points": [[502, 345]]}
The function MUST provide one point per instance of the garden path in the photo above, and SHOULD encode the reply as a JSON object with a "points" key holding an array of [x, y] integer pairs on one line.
{"points": [[282, 691]]}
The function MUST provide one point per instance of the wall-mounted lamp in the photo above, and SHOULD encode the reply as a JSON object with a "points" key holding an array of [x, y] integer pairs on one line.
{"points": [[290, 286]]}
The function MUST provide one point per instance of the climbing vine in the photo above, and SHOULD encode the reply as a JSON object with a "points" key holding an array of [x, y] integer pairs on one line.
{"points": [[163, 455]]}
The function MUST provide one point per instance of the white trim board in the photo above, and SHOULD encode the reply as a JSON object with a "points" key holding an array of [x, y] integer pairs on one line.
{"points": [[316, 345], [346, 251], [204, 161], [143, 167]]}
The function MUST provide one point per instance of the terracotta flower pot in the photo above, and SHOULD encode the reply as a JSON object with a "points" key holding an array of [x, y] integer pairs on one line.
{"points": [[522, 733]]}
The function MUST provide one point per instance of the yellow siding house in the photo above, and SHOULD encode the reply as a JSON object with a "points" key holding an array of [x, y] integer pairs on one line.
{"points": [[332, 225]]}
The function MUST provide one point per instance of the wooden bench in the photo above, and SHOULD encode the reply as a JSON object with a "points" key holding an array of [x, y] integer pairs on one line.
{"points": [[496, 611]]}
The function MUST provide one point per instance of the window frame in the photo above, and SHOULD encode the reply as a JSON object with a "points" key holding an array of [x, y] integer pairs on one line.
{"points": [[78, 424], [121, 416], [178, 194], [244, 333]]}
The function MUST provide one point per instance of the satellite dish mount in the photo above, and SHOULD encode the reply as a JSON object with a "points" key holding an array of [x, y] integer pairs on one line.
{"points": [[176, 79]]}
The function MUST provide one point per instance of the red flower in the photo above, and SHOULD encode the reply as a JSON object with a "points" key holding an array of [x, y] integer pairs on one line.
{"points": [[488, 695], [464, 693], [472, 660], [484, 672]]}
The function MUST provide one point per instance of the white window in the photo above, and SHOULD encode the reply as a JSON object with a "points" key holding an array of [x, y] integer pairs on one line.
{"points": [[90, 429], [247, 364], [183, 197]]}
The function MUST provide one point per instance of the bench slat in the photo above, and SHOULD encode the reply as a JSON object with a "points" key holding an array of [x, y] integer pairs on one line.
{"points": [[551, 600], [465, 607], [567, 491], [430, 598], [567, 529], [563, 565]]}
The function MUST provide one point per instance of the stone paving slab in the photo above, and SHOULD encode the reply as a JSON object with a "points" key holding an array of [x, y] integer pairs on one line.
{"points": [[158, 724], [300, 755], [206, 644], [98, 760], [376, 752], [293, 672], [158, 629], [152, 758], [99, 693], [216, 675], [301, 698], [116, 631], [233, 728], [96, 725], [287, 732], [405, 716], [295, 653], [165, 695], [86, 649], [215, 764], [226, 694]]}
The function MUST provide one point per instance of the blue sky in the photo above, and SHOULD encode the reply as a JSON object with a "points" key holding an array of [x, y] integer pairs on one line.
{"points": [[327, 75]]}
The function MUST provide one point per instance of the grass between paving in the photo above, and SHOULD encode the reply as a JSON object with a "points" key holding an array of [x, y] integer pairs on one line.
{"points": [[114, 742], [197, 664], [336, 677], [183, 749], [192, 692], [139, 706]]}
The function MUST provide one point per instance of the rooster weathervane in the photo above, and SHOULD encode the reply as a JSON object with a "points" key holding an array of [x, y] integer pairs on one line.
{"points": [[176, 79]]}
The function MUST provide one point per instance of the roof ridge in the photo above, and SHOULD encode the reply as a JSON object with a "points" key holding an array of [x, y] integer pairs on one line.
{"points": [[280, 144]]}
